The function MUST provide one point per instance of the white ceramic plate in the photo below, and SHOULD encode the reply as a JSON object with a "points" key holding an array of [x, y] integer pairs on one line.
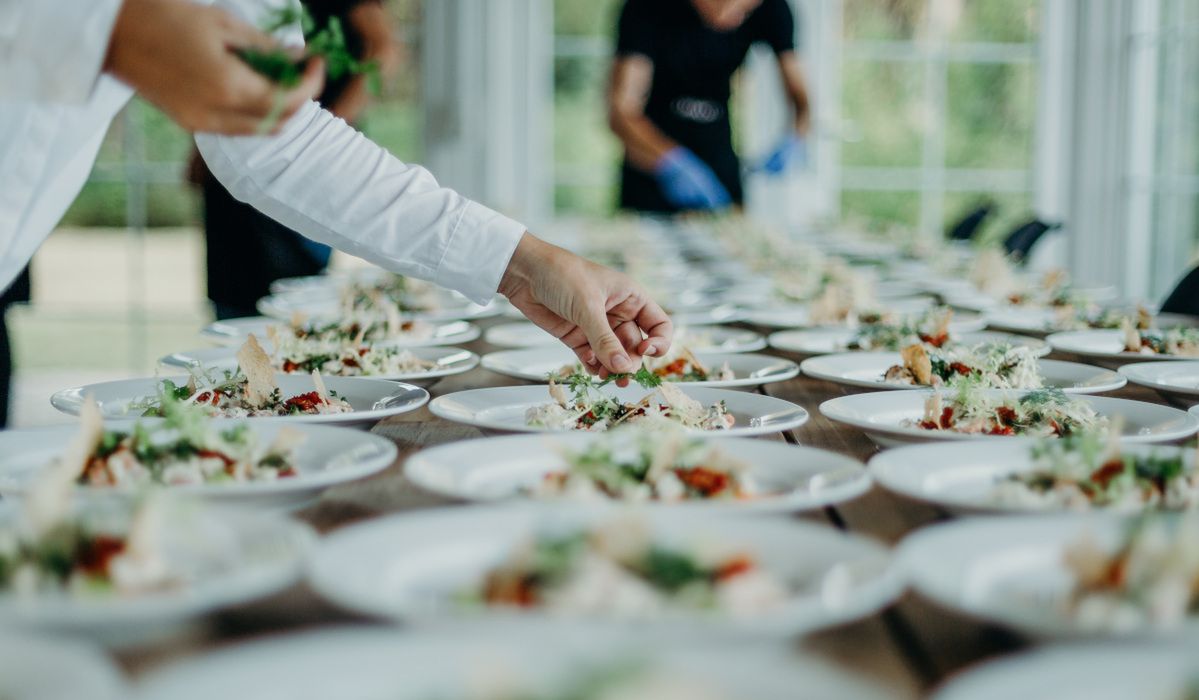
{"points": [[1099, 671], [41, 668], [699, 338], [505, 468], [824, 341], [1176, 381], [1007, 569], [1042, 321], [372, 399], [503, 408], [961, 476], [866, 370], [412, 566], [797, 316], [450, 361], [533, 364], [881, 416], [285, 306], [725, 313], [329, 456], [252, 555], [974, 300], [235, 331], [332, 281], [512, 660], [1105, 346]]}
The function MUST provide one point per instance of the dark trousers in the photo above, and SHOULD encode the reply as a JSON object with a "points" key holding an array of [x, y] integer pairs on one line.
{"points": [[17, 293], [247, 250]]}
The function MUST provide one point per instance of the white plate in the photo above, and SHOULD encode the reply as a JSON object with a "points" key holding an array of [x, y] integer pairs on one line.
{"points": [[1105, 346], [329, 456], [411, 566], [503, 408], [1007, 569], [962, 476], [372, 399], [540, 660], [1111, 671], [235, 331], [37, 668], [503, 468], [866, 370], [450, 361], [824, 341], [1042, 321], [880, 415], [699, 338], [259, 554], [749, 369], [974, 300], [797, 315], [285, 306], [1177, 381]]}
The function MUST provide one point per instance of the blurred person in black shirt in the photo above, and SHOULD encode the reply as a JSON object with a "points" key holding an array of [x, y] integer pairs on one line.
{"points": [[247, 250], [669, 93]]}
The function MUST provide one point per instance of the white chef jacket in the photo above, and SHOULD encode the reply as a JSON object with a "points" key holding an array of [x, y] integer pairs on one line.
{"points": [[318, 176]]}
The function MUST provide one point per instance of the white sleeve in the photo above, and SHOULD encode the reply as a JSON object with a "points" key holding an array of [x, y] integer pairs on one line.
{"points": [[330, 183], [53, 50]]}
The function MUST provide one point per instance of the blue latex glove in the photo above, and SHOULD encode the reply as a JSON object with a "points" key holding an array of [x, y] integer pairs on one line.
{"points": [[688, 182], [792, 151]]}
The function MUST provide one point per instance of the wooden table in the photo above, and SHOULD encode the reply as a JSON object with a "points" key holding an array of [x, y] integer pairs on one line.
{"points": [[911, 647]]}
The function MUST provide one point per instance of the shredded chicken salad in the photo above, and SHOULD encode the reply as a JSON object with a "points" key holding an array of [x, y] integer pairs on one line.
{"points": [[587, 407], [342, 357], [1150, 580], [618, 569], [987, 365], [1086, 471], [250, 391], [930, 329], [1043, 412], [185, 448], [1178, 341], [678, 365], [634, 465]]}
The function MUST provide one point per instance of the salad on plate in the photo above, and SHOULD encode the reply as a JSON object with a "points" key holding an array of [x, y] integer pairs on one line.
{"points": [[634, 465], [1044, 412], [678, 365], [249, 391], [1177, 342], [988, 365], [580, 404]]}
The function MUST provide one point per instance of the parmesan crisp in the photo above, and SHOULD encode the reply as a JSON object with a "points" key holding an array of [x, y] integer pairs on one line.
{"points": [[260, 375]]}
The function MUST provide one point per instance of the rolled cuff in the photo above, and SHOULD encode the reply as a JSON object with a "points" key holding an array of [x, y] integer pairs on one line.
{"points": [[478, 252]]}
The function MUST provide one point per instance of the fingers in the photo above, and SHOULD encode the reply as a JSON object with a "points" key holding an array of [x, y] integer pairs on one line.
{"points": [[608, 349]]}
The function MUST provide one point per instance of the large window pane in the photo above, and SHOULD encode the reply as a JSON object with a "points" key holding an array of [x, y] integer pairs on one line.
{"points": [[991, 113], [1001, 21], [881, 210], [884, 103], [586, 17], [892, 20], [586, 200]]}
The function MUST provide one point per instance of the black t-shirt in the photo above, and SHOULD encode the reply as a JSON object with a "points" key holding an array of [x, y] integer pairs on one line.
{"points": [[322, 11], [691, 59], [693, 68]]}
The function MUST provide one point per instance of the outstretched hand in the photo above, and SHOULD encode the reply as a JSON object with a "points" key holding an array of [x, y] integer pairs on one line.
{"points": [[605, 317]]}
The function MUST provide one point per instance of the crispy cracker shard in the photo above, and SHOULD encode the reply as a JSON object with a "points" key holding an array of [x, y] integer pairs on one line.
{"points": [[49, 499], [916, 361], [260, 375], [1132, 339]]}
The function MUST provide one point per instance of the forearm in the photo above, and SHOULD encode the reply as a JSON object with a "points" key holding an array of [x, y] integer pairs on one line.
{"points": [[796, 89], [644, 143], [324, 179], [352, 101]]}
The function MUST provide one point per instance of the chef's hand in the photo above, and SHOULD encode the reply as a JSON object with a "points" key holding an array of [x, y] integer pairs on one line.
{"points": [[792, 150], [688, 182], [602, 315], [179, 56]]}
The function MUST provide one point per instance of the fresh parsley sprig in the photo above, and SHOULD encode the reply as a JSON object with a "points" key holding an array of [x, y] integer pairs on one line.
{"points": [[328, 42]]}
